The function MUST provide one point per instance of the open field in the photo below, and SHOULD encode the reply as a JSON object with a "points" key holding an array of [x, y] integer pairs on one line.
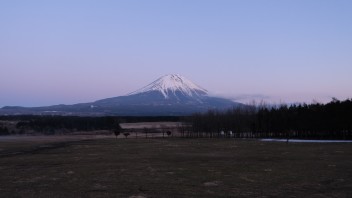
{"points": [[173, 167], [141, 125]]}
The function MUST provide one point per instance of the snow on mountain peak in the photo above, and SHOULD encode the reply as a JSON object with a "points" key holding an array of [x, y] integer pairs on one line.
{"points": [[172, 84]]}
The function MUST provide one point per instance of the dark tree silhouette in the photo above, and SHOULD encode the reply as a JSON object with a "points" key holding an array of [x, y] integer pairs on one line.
{"points": [[126, 134], [4, 131]]}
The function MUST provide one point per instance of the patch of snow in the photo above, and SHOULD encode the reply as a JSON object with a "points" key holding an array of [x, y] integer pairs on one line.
{"points": [[172, 83], [307, 141]]}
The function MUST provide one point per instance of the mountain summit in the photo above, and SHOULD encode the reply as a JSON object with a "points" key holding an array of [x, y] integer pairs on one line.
{"points": [[169, 95], [171, 85]]}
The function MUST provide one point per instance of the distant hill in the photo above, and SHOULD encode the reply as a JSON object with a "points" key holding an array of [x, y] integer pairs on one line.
{"points": [[169, 95]]}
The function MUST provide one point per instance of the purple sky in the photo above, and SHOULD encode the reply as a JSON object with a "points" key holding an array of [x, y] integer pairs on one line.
{"points": [[67, 51]]}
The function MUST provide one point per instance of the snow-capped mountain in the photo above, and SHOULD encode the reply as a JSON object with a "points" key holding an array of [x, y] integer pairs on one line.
{"points": [[169, 95], [171, 85]]}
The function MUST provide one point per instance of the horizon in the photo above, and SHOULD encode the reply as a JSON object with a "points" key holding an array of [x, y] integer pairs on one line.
{"points": [[72, 52]]}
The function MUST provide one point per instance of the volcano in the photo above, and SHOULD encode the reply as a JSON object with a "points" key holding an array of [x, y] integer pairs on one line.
{"points": [[169, 95]]}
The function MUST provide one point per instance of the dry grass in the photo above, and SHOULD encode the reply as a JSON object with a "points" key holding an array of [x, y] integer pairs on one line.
{"points": [[153, 125], [173, 167]]}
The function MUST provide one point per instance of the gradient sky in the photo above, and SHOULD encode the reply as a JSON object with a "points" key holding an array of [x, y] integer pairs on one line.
{"points": [[71, 51]]}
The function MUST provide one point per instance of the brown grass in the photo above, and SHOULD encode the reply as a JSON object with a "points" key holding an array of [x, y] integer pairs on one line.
{"points": [[173, 167]]}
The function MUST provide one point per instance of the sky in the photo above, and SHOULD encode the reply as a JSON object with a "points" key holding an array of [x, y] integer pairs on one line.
{"points": [[73, 51]]}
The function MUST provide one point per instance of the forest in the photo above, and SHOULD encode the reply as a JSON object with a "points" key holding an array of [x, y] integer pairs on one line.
{"points": [[304, 121]]}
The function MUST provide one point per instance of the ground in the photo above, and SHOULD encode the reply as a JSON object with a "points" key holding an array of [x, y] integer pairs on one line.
{"points": [[173, 167]]}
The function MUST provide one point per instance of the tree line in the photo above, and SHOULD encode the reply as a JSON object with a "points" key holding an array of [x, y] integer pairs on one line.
{"points": [[49, 125], [306, 121]]}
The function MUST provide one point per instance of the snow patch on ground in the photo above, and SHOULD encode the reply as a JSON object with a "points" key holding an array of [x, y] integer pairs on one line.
{"points": [[306, 141]]}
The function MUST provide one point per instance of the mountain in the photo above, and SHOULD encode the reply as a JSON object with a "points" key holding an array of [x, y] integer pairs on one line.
{"points": [[169, 95]]}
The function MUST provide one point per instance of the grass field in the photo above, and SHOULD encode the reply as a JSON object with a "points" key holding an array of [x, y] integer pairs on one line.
{"points": [[173, 167]]}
